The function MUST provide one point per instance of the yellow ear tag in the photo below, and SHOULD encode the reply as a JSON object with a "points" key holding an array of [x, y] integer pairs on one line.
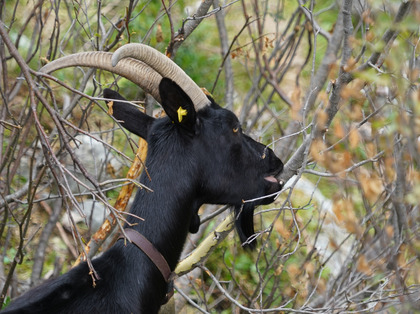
{"points": [[181, 113]]}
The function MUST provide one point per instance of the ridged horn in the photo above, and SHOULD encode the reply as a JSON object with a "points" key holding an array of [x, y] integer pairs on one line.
{"points": [[165, 67], [133, 70]]}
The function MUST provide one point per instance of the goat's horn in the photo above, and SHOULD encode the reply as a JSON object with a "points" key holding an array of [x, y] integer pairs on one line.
{"points": [[165, 67], [133, 70]]}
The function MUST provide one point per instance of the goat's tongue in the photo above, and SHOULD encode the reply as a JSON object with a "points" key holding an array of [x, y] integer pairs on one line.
{"points": [[271, 179]]}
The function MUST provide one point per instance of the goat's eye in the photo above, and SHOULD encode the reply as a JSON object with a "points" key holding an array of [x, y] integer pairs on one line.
{"points": [[236, 130]]}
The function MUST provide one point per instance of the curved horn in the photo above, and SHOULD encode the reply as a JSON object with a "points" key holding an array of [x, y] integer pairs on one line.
{"points": [[165, 67], [133, 70]]}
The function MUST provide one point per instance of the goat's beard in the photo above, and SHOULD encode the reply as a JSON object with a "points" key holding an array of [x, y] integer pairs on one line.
{"points": [[244, 223]]}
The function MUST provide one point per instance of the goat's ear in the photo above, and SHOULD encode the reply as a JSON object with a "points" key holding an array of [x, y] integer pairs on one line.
{"points": [[130, 117], [177, 105]]}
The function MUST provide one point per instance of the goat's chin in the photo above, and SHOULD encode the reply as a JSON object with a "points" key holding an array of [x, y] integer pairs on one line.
{"points": [[272, 186]]}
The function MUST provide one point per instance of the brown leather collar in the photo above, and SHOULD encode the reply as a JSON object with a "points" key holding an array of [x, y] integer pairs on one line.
{"points": [[155, 256]]}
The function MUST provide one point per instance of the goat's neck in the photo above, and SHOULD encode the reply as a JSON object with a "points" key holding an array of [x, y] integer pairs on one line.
{"points": [[166, 212]]}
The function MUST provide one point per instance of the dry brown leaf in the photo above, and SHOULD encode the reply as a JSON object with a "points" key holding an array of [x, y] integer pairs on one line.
{"points": [[159, 34], [317, 151], [110, 109], [281, 229], [363, 266], [354, 138], [371, 150], [356, 112], [389, 231], [321, 119], [339, 162], [309, 268], [338, 129], [351, 64], [371, 184], [344, 211], [293, 270], [279, 270], [296, 104], [349, 92]]}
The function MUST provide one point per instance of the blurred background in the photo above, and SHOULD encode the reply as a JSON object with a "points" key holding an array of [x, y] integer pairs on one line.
{"points": [[330, 86]]}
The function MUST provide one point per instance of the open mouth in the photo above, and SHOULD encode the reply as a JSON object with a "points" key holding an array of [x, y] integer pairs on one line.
{"points": [[271, 179], [274, 184]]}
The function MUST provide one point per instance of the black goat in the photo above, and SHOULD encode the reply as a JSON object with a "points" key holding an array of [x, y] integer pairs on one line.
{"points": [[194, 157]]}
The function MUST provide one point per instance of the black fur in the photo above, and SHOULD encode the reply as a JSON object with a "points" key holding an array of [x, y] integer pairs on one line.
{"points": [[200, 159]]}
